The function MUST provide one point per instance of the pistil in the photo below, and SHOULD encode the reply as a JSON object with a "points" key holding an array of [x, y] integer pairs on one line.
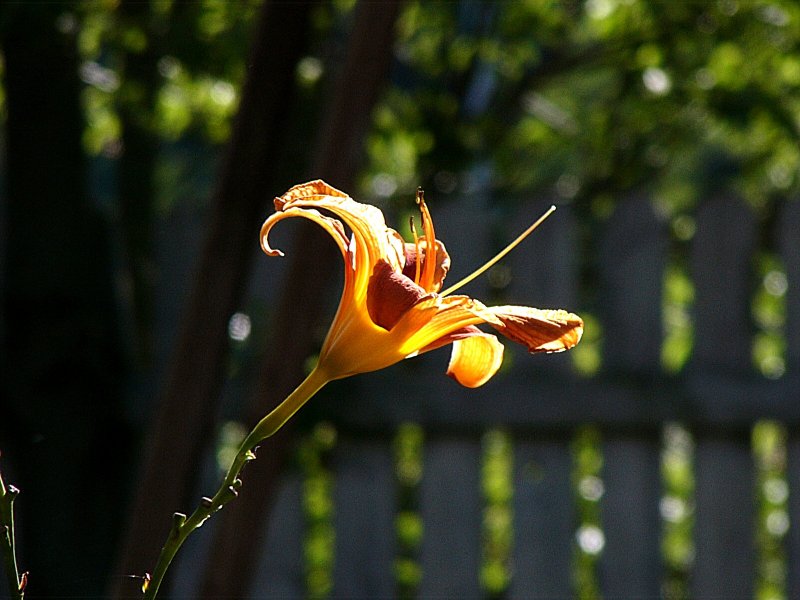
{"points": [[418, 256]]}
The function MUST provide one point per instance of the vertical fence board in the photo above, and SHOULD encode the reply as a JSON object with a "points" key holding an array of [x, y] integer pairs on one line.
{"points": [[631, 565], [721, 255], [364, 498], [544, 521], [789, 246], [632, 255], [793, 536], [724, 520], [280, 571], [451, 511], [724, 536]]}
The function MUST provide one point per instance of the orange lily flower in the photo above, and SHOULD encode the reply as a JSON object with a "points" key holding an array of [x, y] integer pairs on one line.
{"points": [[392, 306]]}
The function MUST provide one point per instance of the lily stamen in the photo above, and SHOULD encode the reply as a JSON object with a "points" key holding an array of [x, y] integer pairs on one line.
{"points": [[497, 257], [416, 248]]}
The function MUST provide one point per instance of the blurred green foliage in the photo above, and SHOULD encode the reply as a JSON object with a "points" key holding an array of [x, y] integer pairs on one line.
{"points": [[677, 301], [318, 509], [677, 509], [589, 538], [593, 98], [769, 316], [409, 528], [199, 50], [497, 481], [772, 493]]}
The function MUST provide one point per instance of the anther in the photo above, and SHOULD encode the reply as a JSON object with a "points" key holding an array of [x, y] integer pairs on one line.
{"points": [[424, 276]]}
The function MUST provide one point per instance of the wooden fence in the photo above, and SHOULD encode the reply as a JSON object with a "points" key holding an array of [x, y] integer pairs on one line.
{"points": [[541, 403]]}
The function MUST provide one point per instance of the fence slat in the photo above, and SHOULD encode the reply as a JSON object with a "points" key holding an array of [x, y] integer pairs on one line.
{"points": [[721, 256], [631, 565], [451, 511], [280, 572], [632, 255], [364, 498], [724, 520], [631, 259], [793, 536], [789, 246], [544, 521]]}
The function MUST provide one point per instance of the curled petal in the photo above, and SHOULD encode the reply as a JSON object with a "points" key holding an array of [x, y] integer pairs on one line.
{"points": [[370, 232], [475, 359], [332, 226], [371, 239], [307, 190], [539, 330]]}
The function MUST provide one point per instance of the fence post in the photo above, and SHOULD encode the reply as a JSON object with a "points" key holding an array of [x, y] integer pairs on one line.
{"points": [[632, 255], [722, 251]]}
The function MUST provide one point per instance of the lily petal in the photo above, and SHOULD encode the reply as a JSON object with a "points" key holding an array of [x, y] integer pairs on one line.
{"points": [[537, 329], [307, 190], [475, 360], [450, 314], [390, 294]]}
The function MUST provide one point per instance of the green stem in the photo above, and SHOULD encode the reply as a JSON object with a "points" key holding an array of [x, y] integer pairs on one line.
{"points": [[182, 526], [9, 549]]}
